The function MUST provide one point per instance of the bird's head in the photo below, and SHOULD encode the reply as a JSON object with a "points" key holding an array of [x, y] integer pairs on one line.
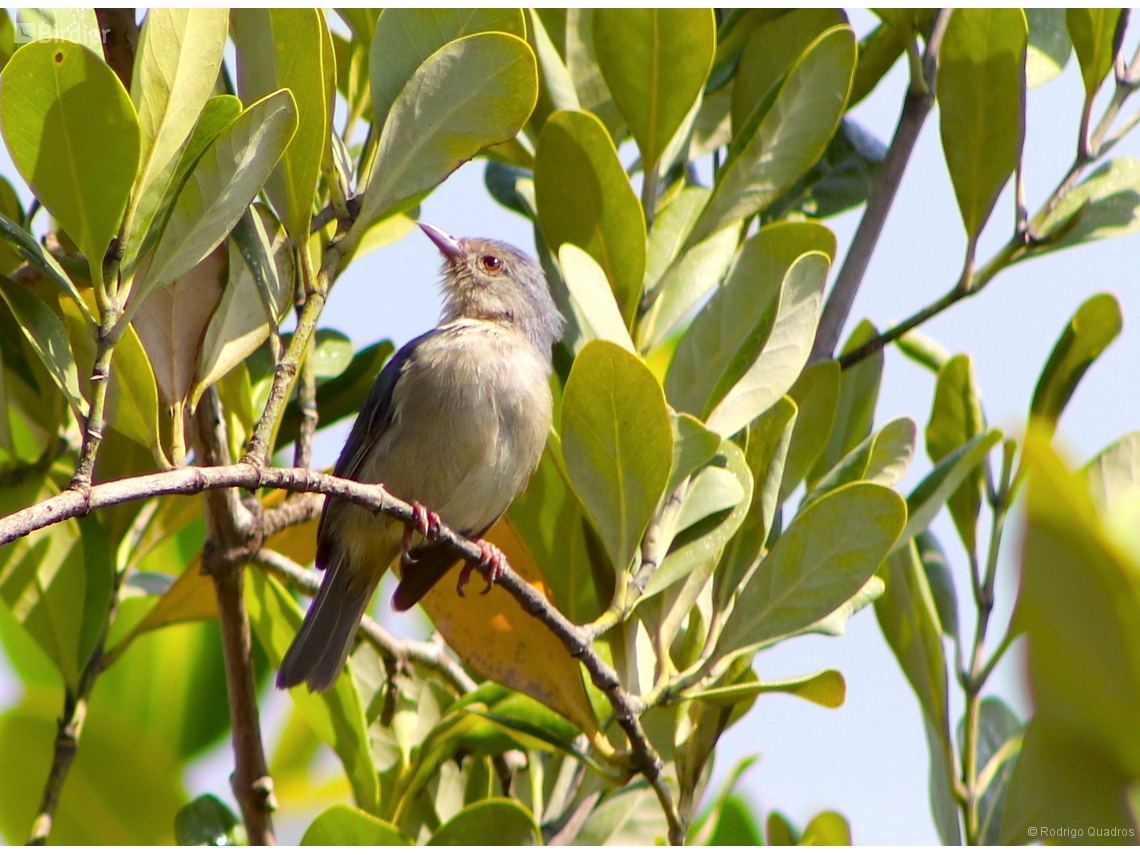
{"points": [[490, 280]]}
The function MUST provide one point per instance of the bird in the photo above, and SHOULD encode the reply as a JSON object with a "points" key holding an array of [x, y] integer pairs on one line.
{"points": [[455, 424]]}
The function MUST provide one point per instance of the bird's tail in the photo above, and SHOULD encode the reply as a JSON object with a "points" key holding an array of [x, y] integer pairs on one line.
{"points": [[323, 642]]}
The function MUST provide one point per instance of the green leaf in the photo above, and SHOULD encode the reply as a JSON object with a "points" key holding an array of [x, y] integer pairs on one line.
{"points": [[46, 334], [470, 94], [239, 324], [584, 198], [827, 829], [766, 449], [789, 139], [734, 326], [176, 66], [1114, 477], [781, 831], [941, 580], [827, 554], [772, 49], [922, 349], [655, 62], [344, 825], [626, 817], [693, 446], [80, 26], [52, 97], [553, 524], [31, 251], [1093, 33], [132, 399], [878, 52], [218, 114], [881, 459], [774, 370], [290, 49], [206, 821], [1057, 785], [999, 730], [684, 285], [1105, 205], [336, 716], [724, 487], [491, 822], [618, 444], [227, 177], [557, 90], [593, 94], [735, 825], [855, 410], [1049, 45], [1079, 605], [909, 621], [926, 500], [405, 38], [981, 98], [955, 418], [826, 688], [670, 228], [1093, 327], [816, 394], [596, 314]]}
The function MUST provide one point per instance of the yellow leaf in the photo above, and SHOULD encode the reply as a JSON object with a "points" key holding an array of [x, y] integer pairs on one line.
{"points": [[492, 634]]}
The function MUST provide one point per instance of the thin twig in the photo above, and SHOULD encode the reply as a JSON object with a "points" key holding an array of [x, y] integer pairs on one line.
{"points": [[230, 536], [916, 107], [298, 509], [307, 399], [425, 654]]}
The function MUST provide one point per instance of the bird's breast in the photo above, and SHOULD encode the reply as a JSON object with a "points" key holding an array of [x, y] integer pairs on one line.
{"points": [[471, 413]]}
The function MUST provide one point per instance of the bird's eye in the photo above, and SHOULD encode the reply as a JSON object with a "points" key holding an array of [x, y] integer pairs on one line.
{"points": [[491, 262]]}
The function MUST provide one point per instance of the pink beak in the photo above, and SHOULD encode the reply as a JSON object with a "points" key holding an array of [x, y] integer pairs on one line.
{"points": [[448, 245]]}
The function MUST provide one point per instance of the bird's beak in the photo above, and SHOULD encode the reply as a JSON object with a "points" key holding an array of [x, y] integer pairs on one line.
{"points": [[448, 245]]}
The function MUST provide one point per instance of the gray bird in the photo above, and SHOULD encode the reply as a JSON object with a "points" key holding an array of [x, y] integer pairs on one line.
{"points": [[455, 422]]}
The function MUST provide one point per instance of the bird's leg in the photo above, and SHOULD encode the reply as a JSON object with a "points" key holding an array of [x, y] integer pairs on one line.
{"points": [[491, 559], [427, 523]]}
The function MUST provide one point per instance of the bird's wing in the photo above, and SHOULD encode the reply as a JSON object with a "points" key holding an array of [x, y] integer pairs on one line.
{"points": [[374, 420]]}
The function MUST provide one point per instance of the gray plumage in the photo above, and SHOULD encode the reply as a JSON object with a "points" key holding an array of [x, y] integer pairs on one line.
{"points": [[457, 421]]}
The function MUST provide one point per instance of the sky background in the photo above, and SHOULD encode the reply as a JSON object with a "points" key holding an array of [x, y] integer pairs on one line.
{"points": [[867, 760]]}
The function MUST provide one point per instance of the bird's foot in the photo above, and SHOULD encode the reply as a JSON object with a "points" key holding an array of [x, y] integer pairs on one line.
{"points": [[491, 559], [426, 522]]}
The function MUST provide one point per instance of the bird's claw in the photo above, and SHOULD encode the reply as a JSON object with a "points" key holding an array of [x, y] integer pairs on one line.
{"points": [[426, 522], [491, 560]]}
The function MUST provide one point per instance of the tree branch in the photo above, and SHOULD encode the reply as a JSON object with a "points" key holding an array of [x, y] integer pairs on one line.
{"points": [[120, 36], [916, 107], [230, 537]]}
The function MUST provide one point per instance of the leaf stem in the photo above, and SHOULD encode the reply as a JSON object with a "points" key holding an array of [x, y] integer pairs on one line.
{"points": [[974, 681]]}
